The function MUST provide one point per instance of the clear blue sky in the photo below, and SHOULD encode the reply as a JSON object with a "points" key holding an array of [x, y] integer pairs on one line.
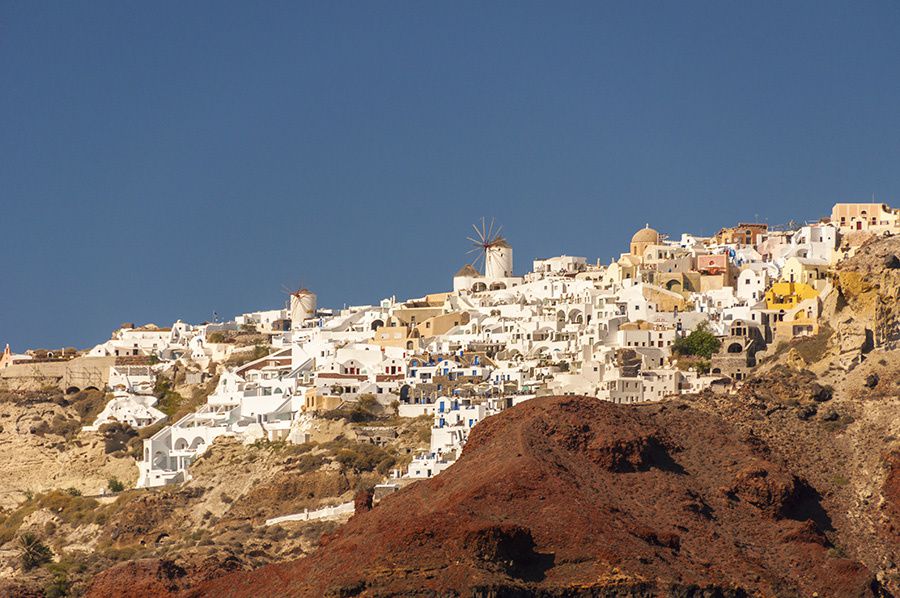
{"points": [[162, 160]]}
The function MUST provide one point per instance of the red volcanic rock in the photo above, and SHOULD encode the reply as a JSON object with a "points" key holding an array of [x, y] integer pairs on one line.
{"points": [[771, 492], [891, 493], [362, 501], [153, 578], [572, 496], [158, 578]]}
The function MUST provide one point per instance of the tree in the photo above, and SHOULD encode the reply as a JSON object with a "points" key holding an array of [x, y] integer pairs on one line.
{"points": [[700, 342], [115, 485], [32, 552]]}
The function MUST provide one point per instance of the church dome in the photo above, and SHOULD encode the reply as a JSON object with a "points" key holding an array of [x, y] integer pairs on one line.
{"points": [[646, 235]]}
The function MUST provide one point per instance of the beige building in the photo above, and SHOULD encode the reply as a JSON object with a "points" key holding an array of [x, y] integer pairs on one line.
{"points": [[745, 233], [805, 271], [874, 217], [441, 324]]}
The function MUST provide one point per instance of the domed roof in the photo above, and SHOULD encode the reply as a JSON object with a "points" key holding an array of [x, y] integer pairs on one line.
{"points": [[646, 235], [467, 270]]}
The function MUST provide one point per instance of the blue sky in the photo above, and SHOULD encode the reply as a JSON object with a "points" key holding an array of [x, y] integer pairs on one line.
{"points": [[170, 159]]}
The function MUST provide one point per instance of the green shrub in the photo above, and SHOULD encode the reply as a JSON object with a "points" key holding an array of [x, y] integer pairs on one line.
{"points": [[63, 426], [115, 485], [308, 463], [364, 457], [148, 431], [840, 480], [173, 404], [244, 357], [116, 436], [356, 415], [216, 337], [74, 510], [88, 404], [367, 402], [700, 342], [58, 587]]}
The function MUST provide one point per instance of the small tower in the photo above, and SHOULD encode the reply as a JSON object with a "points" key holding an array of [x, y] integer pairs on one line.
{"points": [[498, 260]]}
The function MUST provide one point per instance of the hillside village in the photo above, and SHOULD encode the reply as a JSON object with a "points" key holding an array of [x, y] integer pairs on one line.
{"points": [[672, 315]]}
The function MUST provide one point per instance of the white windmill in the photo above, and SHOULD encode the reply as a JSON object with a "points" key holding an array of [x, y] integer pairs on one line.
{"points": [[302, 306], [491, 247]]}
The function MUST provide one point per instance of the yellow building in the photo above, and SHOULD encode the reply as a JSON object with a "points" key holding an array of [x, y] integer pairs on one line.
{"points": [[787, 295]]}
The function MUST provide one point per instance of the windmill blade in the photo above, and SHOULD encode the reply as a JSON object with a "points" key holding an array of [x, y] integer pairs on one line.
{"points": [[478, 234], [490, 234], [479, 257], [474, 241]]}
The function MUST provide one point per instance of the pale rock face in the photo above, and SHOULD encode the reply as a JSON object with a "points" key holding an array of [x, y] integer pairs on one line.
{"points": [[795, 360], [253, 433], [853, 339], [301, 428]]}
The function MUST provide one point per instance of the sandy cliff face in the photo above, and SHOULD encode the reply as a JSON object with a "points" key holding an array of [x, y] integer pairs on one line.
{"points": [[43, 448], [167, 537], [869, 283]]}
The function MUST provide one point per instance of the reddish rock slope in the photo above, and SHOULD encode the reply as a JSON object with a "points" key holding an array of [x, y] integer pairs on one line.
{"points": [[574, 496]]}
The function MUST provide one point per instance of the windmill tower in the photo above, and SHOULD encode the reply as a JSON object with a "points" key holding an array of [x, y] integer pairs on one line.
{"points": [[303, 306], [491, 247]]}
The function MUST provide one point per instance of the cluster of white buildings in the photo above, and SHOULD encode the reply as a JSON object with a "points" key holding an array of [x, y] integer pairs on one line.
{"points": [[569, 326]]}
